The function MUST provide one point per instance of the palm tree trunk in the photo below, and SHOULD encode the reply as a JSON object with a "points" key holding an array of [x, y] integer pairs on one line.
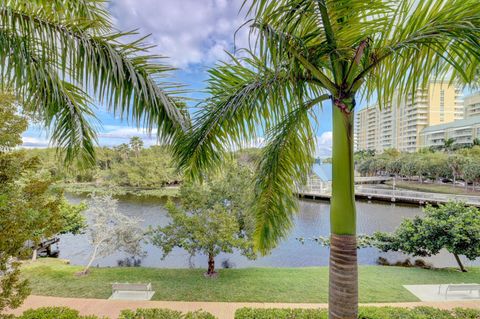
{"points": [[343, 281]]}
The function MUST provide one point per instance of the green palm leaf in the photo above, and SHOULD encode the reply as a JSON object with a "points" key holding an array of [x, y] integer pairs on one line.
{"points": [[75, 41]]}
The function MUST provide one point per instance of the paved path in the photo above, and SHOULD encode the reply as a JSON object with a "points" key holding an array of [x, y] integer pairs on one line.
{"points": [[223, 310]]}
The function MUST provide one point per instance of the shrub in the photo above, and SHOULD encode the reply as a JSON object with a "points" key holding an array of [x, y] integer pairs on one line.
{"points": [[163, 314], [250, 313], [364, 313], [53, 313]]}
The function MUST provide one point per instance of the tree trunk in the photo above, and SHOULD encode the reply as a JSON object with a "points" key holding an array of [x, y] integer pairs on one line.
{"points": [[343, 280], [92, 258], [211, 265], [34, 253], [459, 262]]}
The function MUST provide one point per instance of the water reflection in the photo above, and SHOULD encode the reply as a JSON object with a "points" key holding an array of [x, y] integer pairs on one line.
{"points": [[312, 220]]}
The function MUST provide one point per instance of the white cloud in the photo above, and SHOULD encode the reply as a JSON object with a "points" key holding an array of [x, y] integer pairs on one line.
{"points": [[324, 145], [187, 31], [34, 142], [115, 135]]}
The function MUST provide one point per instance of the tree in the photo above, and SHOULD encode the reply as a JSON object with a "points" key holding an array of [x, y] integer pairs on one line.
{"points": [[456, 163], [111, 231], [471, 172], [57, 56], [12, 125], [69, 219], [136, 145], [211, 218], [451, 226], [29, 211], [307, 52]]}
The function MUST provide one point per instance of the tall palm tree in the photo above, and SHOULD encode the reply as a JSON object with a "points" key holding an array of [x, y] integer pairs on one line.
{"points": [[59, 55], [306, 52], [136, 144]]}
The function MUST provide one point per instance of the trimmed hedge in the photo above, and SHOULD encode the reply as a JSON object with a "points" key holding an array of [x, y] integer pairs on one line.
{"points": [[163, 314], [251, 313], [364, 313], [54, 313]]}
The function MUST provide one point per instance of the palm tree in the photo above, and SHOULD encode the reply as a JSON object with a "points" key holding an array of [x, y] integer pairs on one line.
{"points": [[306, 52], [59, 55], [136, 144], [448, 144]]}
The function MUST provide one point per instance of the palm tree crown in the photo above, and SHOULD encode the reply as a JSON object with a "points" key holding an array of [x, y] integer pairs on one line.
{"points": [[58, 55], [309, 51], [304, 53]]}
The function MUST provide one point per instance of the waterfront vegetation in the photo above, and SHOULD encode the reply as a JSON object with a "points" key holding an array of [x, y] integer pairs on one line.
{"points": [[450, 226], [52, 277], [211, 217], [426, 166], [125, 170], [58, 57]]}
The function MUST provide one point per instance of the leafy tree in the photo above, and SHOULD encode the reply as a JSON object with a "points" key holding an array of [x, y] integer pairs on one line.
{"points": [[307, 52], [12, 125], [456, 163], [29, 211], [211, 218], [111, 231], [58, 55], [452, 226], [471, 172]]}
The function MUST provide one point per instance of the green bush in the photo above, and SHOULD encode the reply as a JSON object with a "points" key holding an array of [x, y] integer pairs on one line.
{"points": [[163, 314], [364, 313], [53, 313], [250, 313]]}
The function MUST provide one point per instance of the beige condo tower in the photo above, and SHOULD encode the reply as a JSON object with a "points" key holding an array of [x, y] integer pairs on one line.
{"points": [[399, 124]]}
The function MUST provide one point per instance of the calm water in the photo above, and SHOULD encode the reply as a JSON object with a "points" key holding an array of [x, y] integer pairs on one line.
{"points": [[312, 220]]}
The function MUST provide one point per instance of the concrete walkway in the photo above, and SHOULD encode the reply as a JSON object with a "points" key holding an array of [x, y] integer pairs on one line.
{"points": [[223, 310]]}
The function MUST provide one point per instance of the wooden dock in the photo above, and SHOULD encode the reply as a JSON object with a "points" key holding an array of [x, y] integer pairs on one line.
{"points": [[390, 195]]}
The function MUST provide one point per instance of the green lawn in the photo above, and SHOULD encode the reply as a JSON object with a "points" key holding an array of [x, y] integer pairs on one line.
{"points": [[377, 284], [434, 188]]}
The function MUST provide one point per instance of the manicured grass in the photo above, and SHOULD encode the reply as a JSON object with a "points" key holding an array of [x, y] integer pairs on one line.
{"points": [[434, 188], [51, 277]]}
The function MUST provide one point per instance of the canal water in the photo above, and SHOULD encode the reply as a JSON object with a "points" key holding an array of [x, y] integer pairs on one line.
{"points": [[311, 221]]}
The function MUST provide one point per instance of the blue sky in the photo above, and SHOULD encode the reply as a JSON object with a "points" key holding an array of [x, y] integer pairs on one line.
{"points": [[194, 34]]}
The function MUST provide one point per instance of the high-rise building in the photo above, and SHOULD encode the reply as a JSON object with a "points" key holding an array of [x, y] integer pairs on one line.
{"points": [[472, 105], [399, 124], [462, 131]]}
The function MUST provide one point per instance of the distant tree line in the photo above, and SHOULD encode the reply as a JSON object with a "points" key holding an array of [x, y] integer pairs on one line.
{"points": [[125, 165], [462, 164]]}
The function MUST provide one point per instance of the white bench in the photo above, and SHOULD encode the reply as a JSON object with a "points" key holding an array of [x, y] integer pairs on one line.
{"points": [[128, 291], [462, 288]]}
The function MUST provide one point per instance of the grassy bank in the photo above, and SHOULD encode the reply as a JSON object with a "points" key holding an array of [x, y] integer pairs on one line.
{"points": [[433, 188], [119, 191], [51, 277]]}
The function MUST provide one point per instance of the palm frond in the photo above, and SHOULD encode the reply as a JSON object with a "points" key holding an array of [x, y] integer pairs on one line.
{"points": [[63, 107], [248, 98], [425, 40], [83, 50], [286, 162]]}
